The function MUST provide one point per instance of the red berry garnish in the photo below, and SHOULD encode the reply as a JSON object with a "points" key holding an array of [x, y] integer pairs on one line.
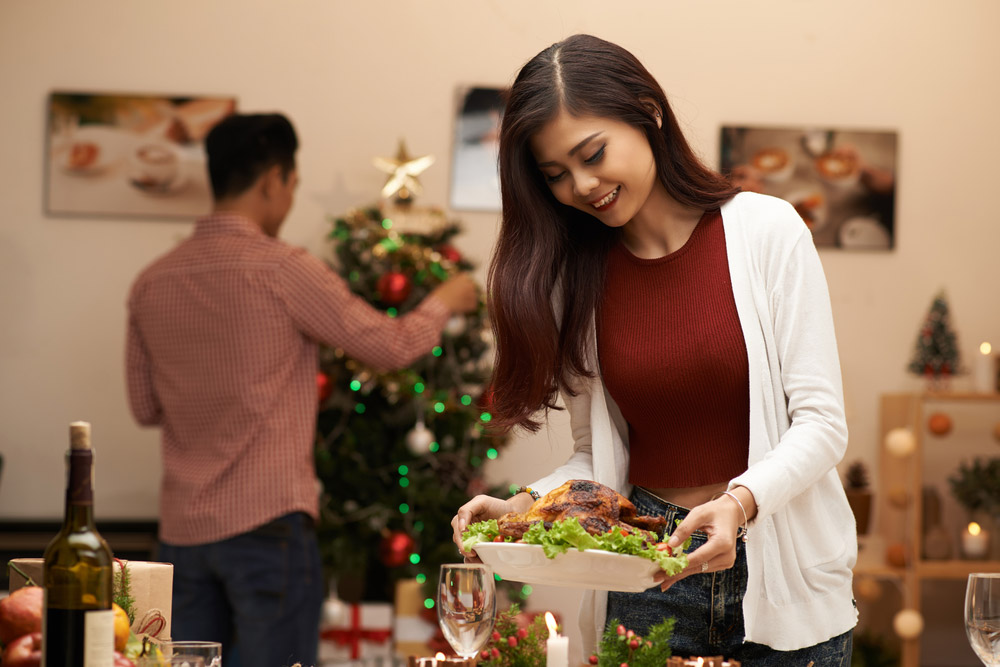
{"points": [[620, 629], [495, 652], [593, 659], [512, 641], [495, 636], [484, 655], [630, 634], [634, 644], [522, 633]]}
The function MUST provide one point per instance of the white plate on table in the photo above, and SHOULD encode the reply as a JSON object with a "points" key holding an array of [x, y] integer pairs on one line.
{"points": [[592, 568]]}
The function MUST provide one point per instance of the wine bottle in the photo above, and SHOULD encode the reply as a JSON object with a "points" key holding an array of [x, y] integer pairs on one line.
{"points": [[78, 623]]}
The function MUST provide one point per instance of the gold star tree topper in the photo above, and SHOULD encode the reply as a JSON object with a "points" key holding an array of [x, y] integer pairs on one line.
{"points": [[403, 171]]}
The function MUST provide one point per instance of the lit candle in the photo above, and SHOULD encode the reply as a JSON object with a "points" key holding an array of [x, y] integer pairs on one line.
{"points": [[983, 371], [557, 646], [975, 541]]}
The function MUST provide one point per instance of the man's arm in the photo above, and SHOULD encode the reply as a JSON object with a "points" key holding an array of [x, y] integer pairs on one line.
{"points": [[142, 397], [323, 306]]}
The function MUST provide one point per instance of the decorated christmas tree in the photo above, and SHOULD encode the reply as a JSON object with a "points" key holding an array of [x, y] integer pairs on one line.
{"points": [[398, 452], [936, 353]]}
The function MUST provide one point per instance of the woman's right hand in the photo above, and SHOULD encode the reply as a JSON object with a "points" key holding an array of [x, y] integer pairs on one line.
{"points": [[480, 508]]}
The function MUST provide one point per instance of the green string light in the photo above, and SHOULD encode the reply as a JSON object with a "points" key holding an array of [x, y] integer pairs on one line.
{"points": [[359, 408], [414, 558], [389, 244], [355, 385], [421, 578], [387, 224], [419, 387], [437, 351], [434, 447], [404, 482], [418, 526], [491, 453], [495, 576], [525, 591], [429, 603], [476, 461], [466, 399], [403, 508], [354, 276], [439, 407], [403, 470], [391, 312], [485, 417]]}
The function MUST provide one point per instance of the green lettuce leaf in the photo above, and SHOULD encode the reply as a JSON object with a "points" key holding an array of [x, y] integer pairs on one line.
{"points": [[569, 534], [482, 531]]}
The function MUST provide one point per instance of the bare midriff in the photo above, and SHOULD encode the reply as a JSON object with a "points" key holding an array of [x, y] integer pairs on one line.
{"points": [[690, 497]]}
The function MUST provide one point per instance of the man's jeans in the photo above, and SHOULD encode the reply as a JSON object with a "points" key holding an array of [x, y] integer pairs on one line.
{"points": [[259, 593], [708, 609]]}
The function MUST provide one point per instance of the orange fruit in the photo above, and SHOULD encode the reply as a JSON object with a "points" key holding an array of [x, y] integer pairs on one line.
{"points": [[122, 629], [895, 555]]}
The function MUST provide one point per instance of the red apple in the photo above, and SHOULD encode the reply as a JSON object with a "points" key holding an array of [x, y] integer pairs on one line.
{"points": [[24, 651], [20, 613]]}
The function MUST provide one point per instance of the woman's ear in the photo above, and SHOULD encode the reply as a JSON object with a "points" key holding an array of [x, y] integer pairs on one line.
{"points": [[654, 110]]}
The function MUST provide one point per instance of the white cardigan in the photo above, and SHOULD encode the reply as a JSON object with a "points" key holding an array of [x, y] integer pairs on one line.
{"points": [[802, 544]]}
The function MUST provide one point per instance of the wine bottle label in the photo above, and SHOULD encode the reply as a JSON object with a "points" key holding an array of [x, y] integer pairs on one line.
{"points": [[98, 638], [78, 638]]}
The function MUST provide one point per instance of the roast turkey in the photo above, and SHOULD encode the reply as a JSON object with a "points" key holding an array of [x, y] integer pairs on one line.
{"points": [[597, 507]]}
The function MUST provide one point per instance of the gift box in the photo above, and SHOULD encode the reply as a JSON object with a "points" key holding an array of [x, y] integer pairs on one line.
{"points": [[358, 634], [412, 631], [151, 584]]}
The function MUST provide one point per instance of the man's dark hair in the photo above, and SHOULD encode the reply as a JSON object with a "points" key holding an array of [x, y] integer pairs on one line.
{"points": [[244, 146]]}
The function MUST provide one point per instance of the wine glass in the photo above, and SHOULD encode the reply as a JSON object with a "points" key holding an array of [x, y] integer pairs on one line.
{"points": [[467, 606], [982, 616]]}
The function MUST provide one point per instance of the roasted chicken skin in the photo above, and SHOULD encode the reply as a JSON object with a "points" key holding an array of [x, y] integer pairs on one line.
{"points": [[597, 507]]}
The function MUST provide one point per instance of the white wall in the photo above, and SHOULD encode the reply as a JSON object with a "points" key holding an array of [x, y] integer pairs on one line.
{"points": [[357, 76]]}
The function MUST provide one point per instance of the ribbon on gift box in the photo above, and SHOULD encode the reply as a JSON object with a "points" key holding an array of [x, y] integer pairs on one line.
{"points": [[354, 634]]}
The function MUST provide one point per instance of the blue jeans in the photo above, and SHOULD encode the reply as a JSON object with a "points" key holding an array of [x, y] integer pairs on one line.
{"points": [[259, 593], [708, 609]]}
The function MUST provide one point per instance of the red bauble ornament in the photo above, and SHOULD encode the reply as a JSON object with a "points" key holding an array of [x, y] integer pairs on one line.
{"points": [[323, 386], [449, 253], [393, 288], [395, 549]]}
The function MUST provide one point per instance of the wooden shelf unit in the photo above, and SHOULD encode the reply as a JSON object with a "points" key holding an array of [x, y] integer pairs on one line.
{"points": [[896, 524]]}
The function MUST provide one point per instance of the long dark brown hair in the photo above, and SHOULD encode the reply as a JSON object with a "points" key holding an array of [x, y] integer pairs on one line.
{"points": [[543, 242]]}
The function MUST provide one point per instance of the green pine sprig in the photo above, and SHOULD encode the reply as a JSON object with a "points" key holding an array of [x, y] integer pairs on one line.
{"points": [[622, 646], [514, 646], [123, 590]]}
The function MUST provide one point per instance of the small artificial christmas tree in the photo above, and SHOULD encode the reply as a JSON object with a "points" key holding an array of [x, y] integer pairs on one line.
{"points": [[936, 353], [399, 452]]}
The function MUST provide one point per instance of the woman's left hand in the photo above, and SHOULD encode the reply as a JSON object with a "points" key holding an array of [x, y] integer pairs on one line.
{"points": [[720, 519]]}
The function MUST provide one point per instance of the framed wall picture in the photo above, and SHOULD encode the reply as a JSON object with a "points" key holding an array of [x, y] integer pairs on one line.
{"points": [[842, 182], [128, 155], [475, 182]]}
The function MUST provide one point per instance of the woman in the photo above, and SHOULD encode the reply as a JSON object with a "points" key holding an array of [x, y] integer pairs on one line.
{"points": [[688, 329]]}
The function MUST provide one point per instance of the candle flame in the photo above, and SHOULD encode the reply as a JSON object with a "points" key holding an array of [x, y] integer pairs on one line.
{"points": [[701, 661], [974, 528], [985, 348], [550, 621]]}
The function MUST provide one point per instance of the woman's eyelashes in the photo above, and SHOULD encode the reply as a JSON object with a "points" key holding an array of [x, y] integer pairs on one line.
{"points": [[593, 159], [596, 157]]}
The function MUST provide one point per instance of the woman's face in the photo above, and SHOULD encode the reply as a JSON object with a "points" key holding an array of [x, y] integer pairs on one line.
{"points": [[598, 165]]}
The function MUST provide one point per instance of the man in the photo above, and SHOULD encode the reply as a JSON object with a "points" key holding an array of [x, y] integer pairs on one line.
{"points": [[222, 355]]}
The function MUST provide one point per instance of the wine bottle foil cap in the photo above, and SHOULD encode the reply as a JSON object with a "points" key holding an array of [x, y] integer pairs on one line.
{"points": [[79, 435]]}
